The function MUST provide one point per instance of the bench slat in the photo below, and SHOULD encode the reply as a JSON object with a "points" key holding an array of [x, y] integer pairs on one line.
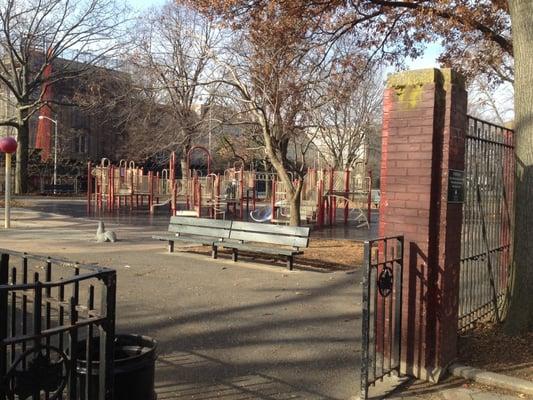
{"points": [[203, 222], [200, 231], [294, 241], [187, 239], [269, 228], [164, 237], [258, 249]]}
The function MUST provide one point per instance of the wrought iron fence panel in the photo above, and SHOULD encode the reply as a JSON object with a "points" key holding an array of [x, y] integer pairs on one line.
{"points": [[382, 310], [52, 315], [487, 217]]}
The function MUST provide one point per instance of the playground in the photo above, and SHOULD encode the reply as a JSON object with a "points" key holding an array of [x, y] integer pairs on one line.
{"points": [[329, 197]]}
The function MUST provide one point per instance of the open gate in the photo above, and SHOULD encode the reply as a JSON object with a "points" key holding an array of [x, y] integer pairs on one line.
{"points": [[382, 310], [487, 216]]}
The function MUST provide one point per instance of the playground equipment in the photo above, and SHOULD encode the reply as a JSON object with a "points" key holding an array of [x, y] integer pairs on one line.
{"points": [[237, 193], [262, 214], [324, 192]]}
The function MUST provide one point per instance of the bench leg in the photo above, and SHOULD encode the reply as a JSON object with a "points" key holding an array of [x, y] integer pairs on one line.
{"points": [[289, 262], [235, 256], [171, 246], [214, 251]]}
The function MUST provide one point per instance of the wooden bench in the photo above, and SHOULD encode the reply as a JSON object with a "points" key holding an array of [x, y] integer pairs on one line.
{"points": [[254, 237], [195, 230], [286, 241]]}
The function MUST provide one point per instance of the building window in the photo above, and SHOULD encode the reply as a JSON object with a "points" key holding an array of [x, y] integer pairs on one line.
{"points": [[81, 145]]}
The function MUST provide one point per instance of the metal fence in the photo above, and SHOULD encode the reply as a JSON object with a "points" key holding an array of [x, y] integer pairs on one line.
{"points": [[487, 218], [382, 310], [57, 319]]}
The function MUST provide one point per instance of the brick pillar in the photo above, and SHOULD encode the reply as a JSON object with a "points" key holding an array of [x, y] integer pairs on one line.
{"points": [[424, 127]]}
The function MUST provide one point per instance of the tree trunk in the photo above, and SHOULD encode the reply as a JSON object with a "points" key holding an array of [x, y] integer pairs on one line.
{"points": [[520, 312], [294, 206], [21, 166]]}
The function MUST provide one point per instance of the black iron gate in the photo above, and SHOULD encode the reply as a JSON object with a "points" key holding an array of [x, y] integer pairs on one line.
{"points": [[382, 310], [51, 311], [487, 216]]}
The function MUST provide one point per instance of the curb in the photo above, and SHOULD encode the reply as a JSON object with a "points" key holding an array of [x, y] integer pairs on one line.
{"points": [[491, 378]]}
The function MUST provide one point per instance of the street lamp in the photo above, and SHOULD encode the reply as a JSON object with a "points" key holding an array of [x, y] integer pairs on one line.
{"points": [[55, 147]]}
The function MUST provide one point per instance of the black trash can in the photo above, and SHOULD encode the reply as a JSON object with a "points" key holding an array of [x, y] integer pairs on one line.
{"points": [[135, 357]]}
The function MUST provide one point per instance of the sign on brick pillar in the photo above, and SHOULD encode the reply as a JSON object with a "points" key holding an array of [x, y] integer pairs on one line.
{"points": [[424, 126]]}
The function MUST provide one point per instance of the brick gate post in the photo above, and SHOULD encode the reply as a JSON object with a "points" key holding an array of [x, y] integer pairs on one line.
{"points": [[423, 144]]}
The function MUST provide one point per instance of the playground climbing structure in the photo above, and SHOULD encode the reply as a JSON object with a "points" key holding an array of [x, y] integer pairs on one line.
{"points": [[328, 196]]}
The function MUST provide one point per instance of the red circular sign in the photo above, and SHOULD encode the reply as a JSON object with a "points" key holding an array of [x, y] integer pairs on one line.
{"points": [[8, 145]]}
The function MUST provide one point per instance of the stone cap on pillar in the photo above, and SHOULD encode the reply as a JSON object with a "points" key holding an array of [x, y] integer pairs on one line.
{"points": [[420, 77]]}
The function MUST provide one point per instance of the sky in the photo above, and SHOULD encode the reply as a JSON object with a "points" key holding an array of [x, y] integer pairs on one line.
{"points": [[143, 4], [428, 60]]}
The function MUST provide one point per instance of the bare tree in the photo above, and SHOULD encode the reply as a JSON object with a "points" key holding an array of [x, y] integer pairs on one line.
{"points": [[72, 36], [274, 82], [350, 108], [491, 101], [170, 65]]}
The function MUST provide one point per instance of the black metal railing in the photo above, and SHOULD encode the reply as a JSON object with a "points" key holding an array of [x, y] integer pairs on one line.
{"points": [[52, 313], [487, 218], [382, 310]]}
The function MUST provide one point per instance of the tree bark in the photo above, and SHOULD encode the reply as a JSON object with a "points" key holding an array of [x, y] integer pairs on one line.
{"points": [[21, 166], [294, 206], [520, 311]]}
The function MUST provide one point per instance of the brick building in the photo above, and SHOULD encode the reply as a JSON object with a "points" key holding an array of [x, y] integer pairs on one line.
{"points": [[81, 136]]}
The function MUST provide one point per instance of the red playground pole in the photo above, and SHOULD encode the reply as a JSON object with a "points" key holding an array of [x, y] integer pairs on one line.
{"points": [[98, 189], [199, 197], [173, 200], [150, 191], [347, 194], [241, 188], [330, 202], [320, 191], [89, 186], [109, 187]]}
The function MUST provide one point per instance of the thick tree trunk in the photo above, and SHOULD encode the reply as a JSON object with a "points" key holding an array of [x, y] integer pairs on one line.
{"points": [[21, 167], [520, 313], [294, 206]]}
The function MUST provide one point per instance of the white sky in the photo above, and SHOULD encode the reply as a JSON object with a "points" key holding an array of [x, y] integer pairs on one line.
{"points": [[143, 4]]}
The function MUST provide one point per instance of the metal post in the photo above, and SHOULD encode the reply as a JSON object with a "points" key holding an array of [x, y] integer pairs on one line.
{"points": [[55, 155], [4, 277], [7, 209], [107, 337], [369, 198], [365, 323]]}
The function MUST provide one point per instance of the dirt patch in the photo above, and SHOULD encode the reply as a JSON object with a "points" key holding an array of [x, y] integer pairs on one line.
{"points": [[488, 347], [14, 203], [332, 255]]}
